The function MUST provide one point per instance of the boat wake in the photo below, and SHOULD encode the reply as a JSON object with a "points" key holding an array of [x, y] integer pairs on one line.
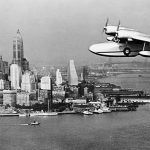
{"points": [[24, 124]]}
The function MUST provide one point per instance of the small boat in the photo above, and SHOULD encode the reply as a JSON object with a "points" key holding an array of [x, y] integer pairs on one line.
{"points": [[35, 123], [98, 111], [106, 110], [87, 112]]}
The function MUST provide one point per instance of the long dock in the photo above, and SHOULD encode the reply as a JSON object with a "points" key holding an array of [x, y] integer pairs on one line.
{"points": [[8, 115], [140, 100], [66, 112], [136, 99]]}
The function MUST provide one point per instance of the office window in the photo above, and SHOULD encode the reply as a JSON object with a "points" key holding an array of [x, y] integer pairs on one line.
{"points": [[19, 54], [18, 46], [14, 46]]}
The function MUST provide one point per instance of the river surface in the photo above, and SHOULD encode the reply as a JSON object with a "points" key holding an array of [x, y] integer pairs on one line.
{"points": [[110, 131], [134, 81]]}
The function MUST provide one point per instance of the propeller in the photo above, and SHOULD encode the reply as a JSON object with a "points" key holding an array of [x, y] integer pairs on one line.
{"points": [[104, 29], [118, 26], [116, 35], [117, 29]]}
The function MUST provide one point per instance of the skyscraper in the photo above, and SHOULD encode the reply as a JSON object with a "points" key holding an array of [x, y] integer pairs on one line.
{"points": [[58, 78], [72, 74], [15, 76], [18, 53], [28, 82], [3, 68], [85, 72]]}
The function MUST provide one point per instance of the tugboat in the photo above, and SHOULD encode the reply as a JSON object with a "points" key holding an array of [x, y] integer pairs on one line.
{"points": [[34, 123]]}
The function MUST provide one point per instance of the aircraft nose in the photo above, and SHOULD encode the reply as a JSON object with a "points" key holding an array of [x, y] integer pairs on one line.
{"points": [[106, 49], [102, 47], [92, 48]]}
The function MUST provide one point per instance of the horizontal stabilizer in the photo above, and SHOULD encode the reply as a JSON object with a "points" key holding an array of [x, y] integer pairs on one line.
{"points": [[144, 53]]}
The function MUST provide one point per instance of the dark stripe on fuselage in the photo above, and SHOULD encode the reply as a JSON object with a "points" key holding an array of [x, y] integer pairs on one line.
{"points": [[100, 53], [110, 52]]}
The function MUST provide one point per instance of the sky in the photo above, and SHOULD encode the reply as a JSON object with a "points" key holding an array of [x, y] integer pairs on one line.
{"points": [[55, 31]]}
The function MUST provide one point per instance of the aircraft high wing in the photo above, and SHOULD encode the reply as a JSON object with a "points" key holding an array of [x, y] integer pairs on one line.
{"points": [[122, 42]]}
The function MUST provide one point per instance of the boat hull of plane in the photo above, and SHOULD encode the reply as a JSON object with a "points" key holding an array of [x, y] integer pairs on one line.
{"points": [[111, 49]]}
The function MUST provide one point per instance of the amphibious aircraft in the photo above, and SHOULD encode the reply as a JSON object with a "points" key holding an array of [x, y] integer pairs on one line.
{"points": [[122, 42]]}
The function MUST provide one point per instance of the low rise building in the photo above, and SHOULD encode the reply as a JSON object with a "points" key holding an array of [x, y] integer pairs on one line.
{"points": [[9, 97], [58, 94], [26, 99], [23, 99]]}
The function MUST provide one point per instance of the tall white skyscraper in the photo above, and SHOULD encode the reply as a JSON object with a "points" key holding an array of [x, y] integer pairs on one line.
{"points": [[58, 78], [15, 76], [81, 77], [1, 84], [28, 82], [72, 74]]}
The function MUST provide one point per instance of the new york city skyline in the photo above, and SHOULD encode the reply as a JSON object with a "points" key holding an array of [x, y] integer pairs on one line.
{"points": [[56, 31], [55, 93]]}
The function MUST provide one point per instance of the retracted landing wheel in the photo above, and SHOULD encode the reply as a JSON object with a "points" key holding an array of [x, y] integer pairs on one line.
{"points": [[126, 51]]}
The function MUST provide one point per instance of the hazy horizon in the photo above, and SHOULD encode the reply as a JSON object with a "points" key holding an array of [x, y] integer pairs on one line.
{"points": [[56, 31]]}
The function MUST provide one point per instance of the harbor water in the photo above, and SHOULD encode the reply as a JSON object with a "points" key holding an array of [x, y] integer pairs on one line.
{"points": [[132, 81], [109, 131]]}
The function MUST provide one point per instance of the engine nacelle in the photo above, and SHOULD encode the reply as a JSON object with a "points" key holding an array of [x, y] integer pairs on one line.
{"points": [[125, 34], [110, 30]]}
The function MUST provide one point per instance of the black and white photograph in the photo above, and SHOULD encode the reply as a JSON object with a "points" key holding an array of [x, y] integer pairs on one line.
{"points": [[74, 75]]}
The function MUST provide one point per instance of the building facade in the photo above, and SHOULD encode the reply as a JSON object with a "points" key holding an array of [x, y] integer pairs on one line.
{"points": [[18, 53], [9, 97], [58, 78], [28, 82], [23, 99], [72, 74], [15, 76]]}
